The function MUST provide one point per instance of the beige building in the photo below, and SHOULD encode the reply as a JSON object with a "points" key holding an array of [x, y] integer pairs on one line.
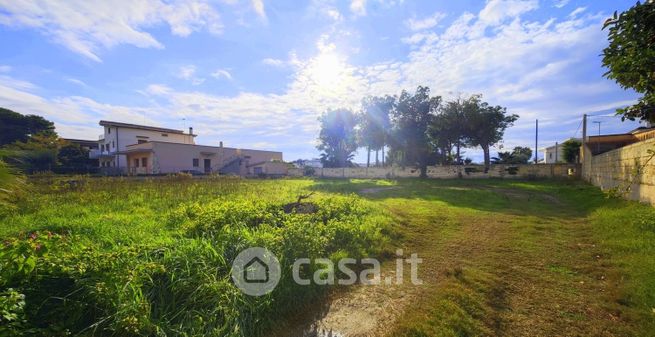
{"points": [[139, 149], [555, 154]]}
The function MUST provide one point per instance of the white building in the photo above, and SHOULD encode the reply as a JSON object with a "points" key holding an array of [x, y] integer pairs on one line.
{"points": [[555, 153], [138, 149]]}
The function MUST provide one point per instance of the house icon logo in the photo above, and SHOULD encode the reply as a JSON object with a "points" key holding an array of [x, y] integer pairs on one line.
{"points": [[256, 271]]}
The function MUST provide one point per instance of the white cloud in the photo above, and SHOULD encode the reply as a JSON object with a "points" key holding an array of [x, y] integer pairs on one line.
{"points": [[86, 26], [358, 7], [258, 6], [273, 62], [76, 81], [577, 12], [561, 3], [496, 11], [188, 72], [222, 73], [5, 69], [425, 23]]}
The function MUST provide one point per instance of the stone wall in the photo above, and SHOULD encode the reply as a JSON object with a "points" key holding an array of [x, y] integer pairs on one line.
{"points": [[616, 168], [451, 172]]}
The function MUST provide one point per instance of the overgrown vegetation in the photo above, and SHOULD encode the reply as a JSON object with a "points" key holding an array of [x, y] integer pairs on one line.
{"points": [[111, 257], [125, 257], [630, 56]]}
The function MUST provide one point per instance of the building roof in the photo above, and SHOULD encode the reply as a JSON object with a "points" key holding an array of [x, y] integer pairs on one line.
{"points": [[84, 142], [559, 144], [133, 146], [141, 127]]}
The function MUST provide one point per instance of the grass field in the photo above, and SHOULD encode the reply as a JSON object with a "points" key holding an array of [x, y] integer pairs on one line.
{"points": [[116, 257]]}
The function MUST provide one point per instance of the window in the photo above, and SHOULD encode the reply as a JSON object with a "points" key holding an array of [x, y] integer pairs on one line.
{"points": [[141, 141], [102, 147], [108, 130], [144, 162], [164, 134], [113, 145], [196, 162], [550, 155], [136, 162]]}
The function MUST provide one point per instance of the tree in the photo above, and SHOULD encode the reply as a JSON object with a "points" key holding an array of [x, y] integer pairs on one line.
{"points": [[37, 154], [571, 150], [450, 130], [337, 137], [630, 57], [520, 155], [487, 124], [411, 118], [15, 127], [375, 124], [73, 158]]}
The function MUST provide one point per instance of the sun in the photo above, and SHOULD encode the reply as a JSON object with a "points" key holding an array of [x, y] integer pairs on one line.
{"points": [[327, 71]]}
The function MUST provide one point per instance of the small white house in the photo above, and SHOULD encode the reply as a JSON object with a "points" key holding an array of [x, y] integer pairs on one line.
{"points": [[139, 149], [555, 153]]}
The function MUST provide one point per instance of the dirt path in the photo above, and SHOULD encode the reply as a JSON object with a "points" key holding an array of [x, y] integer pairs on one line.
{"points": [[512, 275]]}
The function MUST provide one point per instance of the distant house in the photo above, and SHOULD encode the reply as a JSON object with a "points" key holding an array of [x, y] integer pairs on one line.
{"points": [[314, 163], [138, 149], [85, 144], [555, 153], [604, 143]]}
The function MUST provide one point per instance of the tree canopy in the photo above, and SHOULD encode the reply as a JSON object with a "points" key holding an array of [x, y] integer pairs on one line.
{"points": [[15, 127], [487, 124], [417, 128], [411, 118], [630, 57], [571, 150], [375, 123], [337, 138], [519, 155]]}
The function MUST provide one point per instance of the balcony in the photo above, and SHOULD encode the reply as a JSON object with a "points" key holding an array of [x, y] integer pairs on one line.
{"points": [[97, 154]]}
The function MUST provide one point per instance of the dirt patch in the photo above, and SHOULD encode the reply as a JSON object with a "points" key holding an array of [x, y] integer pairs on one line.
{"points": [[374, 190]]}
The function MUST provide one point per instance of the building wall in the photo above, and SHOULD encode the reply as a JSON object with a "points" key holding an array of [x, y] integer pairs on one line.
{"points": [[118, 138], [173, 157], [271, 168], [551, 153], [616, 168], [451, 172]]}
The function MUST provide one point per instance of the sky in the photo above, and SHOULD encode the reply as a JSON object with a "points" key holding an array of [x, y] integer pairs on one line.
{"points": [[257, 74]]}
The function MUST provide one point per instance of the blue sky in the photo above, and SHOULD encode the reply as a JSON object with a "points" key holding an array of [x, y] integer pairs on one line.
{"points": [[258, 73]]}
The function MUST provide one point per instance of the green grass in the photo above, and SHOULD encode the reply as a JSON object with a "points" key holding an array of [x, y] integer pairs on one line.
{"points": [[119, 257], [114, 257]]}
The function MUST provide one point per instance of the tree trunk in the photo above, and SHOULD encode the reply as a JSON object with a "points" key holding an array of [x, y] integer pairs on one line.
{"points": [[457, 159], [382, 155], [377, 161], [368, 156], [487, 159]]}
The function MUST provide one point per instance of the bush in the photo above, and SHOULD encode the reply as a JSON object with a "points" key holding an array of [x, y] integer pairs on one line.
{"points": [[183, 286]]}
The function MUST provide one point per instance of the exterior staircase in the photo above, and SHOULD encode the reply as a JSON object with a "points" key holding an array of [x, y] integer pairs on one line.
{"points": [[232, 165]]}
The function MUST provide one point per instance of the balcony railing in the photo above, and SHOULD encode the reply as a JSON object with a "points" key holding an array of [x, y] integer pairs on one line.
{"points": [[96, 153]]}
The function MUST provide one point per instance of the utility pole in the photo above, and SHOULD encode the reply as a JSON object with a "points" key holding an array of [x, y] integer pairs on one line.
{"points": [[584, 137], [598, 144], [536, 142], [556, 150]]}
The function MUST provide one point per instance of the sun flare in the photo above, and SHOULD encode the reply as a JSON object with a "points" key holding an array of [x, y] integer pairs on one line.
{"points": [[328, 72]]}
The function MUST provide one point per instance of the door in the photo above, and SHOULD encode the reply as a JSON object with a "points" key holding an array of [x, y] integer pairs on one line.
{"points": [[208, 165]]}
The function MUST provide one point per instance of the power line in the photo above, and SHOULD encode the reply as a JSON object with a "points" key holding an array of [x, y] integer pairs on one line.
{"points": [[578, 129]]}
